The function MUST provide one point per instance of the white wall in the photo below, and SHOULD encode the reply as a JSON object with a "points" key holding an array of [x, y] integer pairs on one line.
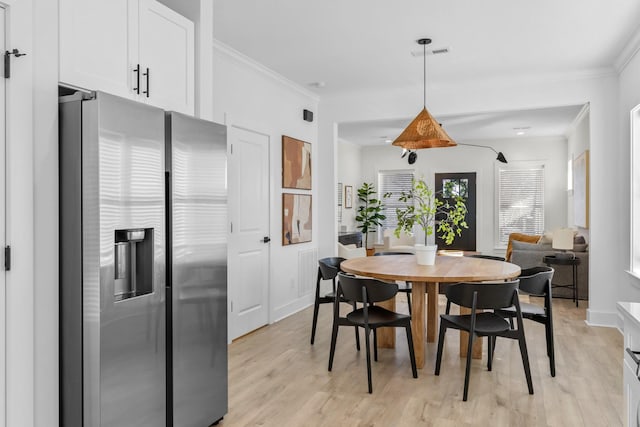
{"points": [[628, 287], [348, 167], [258, 99], [550, 152], [502, 94]]}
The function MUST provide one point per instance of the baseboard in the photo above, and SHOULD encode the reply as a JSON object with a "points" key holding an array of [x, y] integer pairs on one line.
{"points": [[607, 319], [291, 308]]}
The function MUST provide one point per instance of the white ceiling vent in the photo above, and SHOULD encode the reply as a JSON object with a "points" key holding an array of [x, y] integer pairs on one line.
{"points": [[436, 51]]}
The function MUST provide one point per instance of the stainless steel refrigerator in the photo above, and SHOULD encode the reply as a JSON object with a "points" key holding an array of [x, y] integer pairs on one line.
{"points": [[143, 265]]}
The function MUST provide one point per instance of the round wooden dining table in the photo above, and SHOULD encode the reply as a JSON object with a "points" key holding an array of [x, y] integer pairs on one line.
{"points": [[425, 279]]}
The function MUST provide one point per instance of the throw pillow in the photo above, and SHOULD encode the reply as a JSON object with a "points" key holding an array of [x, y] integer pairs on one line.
{"points": [[526, 246], [582, 247], [520, 238], [547, 237]]}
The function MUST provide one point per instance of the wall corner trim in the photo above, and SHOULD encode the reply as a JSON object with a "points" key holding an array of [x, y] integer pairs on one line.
{"points": [[238, 56]]}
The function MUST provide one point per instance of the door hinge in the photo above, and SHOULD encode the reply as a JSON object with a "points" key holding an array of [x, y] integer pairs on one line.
{"points": [[231, 227], [7, 258], [232, 306], [7, 61], [231, 148]]}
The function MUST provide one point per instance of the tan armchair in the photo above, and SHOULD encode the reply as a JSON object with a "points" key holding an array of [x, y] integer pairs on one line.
{"points": [[404, 243], [350, 251]]}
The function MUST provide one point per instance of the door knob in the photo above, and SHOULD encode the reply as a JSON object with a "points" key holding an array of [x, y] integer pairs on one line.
{"points": [[266, 239]]}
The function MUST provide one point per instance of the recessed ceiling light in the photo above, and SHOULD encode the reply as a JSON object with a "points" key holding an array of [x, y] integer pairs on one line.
{"points": [[521, 130], [388, 141]]}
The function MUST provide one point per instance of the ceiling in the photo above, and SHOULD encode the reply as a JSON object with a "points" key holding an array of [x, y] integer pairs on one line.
{"points": [[365, 44], [543, 122]]}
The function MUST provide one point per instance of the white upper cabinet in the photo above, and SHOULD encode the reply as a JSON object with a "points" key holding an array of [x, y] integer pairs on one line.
{"points": [[167, 51], [137, 49], [94, 45]]}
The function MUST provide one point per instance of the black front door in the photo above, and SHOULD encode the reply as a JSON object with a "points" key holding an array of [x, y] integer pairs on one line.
{"points": [[465, 185]]}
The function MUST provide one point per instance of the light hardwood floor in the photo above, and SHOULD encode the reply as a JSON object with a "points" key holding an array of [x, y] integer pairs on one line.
{"points": [[276, 378]]}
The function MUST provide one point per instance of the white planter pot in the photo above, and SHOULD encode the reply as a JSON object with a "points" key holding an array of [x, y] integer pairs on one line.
{"points": [[426, 255]]}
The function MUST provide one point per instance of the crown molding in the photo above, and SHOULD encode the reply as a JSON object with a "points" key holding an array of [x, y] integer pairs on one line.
{"points": [[628, 52], [574, 124], [250, 62]]}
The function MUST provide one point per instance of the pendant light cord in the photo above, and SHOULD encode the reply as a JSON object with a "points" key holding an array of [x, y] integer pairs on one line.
{"points": [[424, 75]]}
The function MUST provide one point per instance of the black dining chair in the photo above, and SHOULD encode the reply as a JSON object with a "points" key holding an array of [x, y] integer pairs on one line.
{"points": [[493, 257], [328, 269], [536, 281], [484, 296], [404, 287], [369, 316]]}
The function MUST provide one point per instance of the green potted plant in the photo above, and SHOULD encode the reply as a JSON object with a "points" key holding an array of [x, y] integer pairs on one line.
{"points": [[425, 209], [369, 215]]}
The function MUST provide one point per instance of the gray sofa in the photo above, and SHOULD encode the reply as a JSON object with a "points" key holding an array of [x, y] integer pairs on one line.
{"points": [[528, 255]]}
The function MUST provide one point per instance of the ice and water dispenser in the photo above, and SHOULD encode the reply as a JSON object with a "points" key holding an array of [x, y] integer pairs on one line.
{"points": [[133, 263]]}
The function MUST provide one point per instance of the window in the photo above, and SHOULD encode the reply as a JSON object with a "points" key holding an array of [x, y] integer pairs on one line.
{"points": [[635, 191], [520, 201], [394, 182]]}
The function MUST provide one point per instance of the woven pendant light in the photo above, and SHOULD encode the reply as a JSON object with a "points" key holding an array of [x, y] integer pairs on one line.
{"points": [[424, 131]]}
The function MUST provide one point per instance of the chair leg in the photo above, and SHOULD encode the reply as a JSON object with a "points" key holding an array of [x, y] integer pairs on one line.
{"points": [[525, 361], [467, 371], [550, 347], [375, 345], [334, 338], [409, 302], [316, 306], [366, 337], [490, 348], [412, 354], [356, 329], [443, 331]]}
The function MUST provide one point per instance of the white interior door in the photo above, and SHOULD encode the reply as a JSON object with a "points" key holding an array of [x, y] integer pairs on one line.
{"points": [[249, 216], [3, 379]]}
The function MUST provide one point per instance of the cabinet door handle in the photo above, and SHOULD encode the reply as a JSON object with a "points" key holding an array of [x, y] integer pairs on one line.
{"points": [[147, 75], [137, 71]]}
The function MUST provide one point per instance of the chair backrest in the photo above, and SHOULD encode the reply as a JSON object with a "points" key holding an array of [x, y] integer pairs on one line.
{"points": [[490, 295], [329, 267], [493, 257], [536, 280], [377, 291]]}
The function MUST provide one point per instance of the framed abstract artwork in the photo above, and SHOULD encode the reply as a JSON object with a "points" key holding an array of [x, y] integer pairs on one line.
{"points": [[581, 190], [296, 218], [296, 163], [348, 196]]}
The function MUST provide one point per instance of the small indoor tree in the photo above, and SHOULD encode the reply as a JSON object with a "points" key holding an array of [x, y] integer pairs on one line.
{"points": [[425, 209], [369, 215]]}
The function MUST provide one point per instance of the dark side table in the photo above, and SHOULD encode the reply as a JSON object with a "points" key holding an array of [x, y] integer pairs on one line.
{"points": [[574, 263]]}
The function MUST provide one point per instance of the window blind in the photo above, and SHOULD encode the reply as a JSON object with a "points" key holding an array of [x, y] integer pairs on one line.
{"points": [[520, 202], [394, 182]]}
